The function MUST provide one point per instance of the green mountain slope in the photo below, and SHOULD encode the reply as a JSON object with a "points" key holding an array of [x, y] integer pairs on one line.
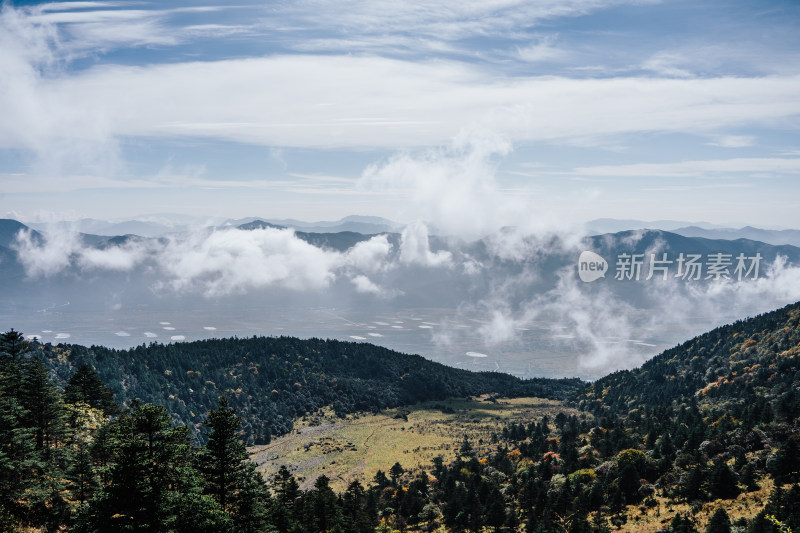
{"points": [[751, 368], [704, 437], [272, 381]]}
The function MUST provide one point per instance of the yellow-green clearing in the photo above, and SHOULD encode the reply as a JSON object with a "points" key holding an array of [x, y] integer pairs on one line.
{"points": [[356, 447]]}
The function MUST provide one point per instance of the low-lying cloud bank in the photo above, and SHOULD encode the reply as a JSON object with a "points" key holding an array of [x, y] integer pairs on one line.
{"points": [[507, 288], [216, 263]]}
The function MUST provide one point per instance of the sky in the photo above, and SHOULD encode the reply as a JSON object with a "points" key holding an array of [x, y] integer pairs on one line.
{"points": [[468, 114]]}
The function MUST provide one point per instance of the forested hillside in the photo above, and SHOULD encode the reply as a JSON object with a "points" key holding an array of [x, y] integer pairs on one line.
{"points": [[747, 370], [273, 380], [704, 437]]}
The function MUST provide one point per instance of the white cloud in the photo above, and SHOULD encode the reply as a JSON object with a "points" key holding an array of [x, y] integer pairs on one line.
{"points": [[500, 328], [415, 248], [365, 285], [341, 101], [232, 261], [686, 169], [365, 102], [49, 254], [444, 20], [667, 64], [544, 50], [733, 141], [370, 255], [454, 187], [217, 262], [124, 258]]}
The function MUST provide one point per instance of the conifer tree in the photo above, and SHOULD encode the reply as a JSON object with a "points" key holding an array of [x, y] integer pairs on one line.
{"points": [[230, 477], [682, 524], [17, 457], [87, 387], [152, 483], [720, 522], [13, 344]]}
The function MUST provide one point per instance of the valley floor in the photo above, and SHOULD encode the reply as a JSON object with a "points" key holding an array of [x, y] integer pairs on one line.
{"points": [[355, 448]]}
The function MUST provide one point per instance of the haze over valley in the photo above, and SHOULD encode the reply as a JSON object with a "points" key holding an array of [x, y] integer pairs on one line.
{"points": [[511, 301]]}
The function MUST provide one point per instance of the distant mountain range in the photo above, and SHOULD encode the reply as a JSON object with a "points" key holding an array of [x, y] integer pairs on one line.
{"points": [[697, 229], [162, 225], [413, 283], [613, 225], [165, 225], [786, 236]]}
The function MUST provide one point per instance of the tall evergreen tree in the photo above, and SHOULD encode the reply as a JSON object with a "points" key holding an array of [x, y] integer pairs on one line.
{"points": [[395, 472], [682, 524], [322, 513], [720, 522], [153, 485], [87, 387], [354, 514], [46, 417], [230, 476], [13, 344], [722, 481], [17, 456], [285, 504]]}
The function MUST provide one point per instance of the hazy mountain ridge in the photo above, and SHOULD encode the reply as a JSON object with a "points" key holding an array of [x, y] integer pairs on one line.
{"points": [[659, 242], [777, 237], [163, 225]]}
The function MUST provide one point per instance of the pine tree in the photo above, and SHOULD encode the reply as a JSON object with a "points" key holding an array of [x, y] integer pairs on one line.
{"points": [[321, 510], [230, 477], [380, 479], [786, 464], [682, 524], [719, 523], [722, 481], [17, 456], [13, 344], [395, 472], [152, 483], [46, 417], [466, 449], [285, 506], [354, 515], [87, 387], [42, 400], [495, 509]]}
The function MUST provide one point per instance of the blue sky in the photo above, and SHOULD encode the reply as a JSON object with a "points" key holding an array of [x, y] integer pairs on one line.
{"points": [[463, 114]]}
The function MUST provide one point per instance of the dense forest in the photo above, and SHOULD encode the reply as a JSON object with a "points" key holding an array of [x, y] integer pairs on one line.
{"points": [[271, 381], [697, 428]]}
